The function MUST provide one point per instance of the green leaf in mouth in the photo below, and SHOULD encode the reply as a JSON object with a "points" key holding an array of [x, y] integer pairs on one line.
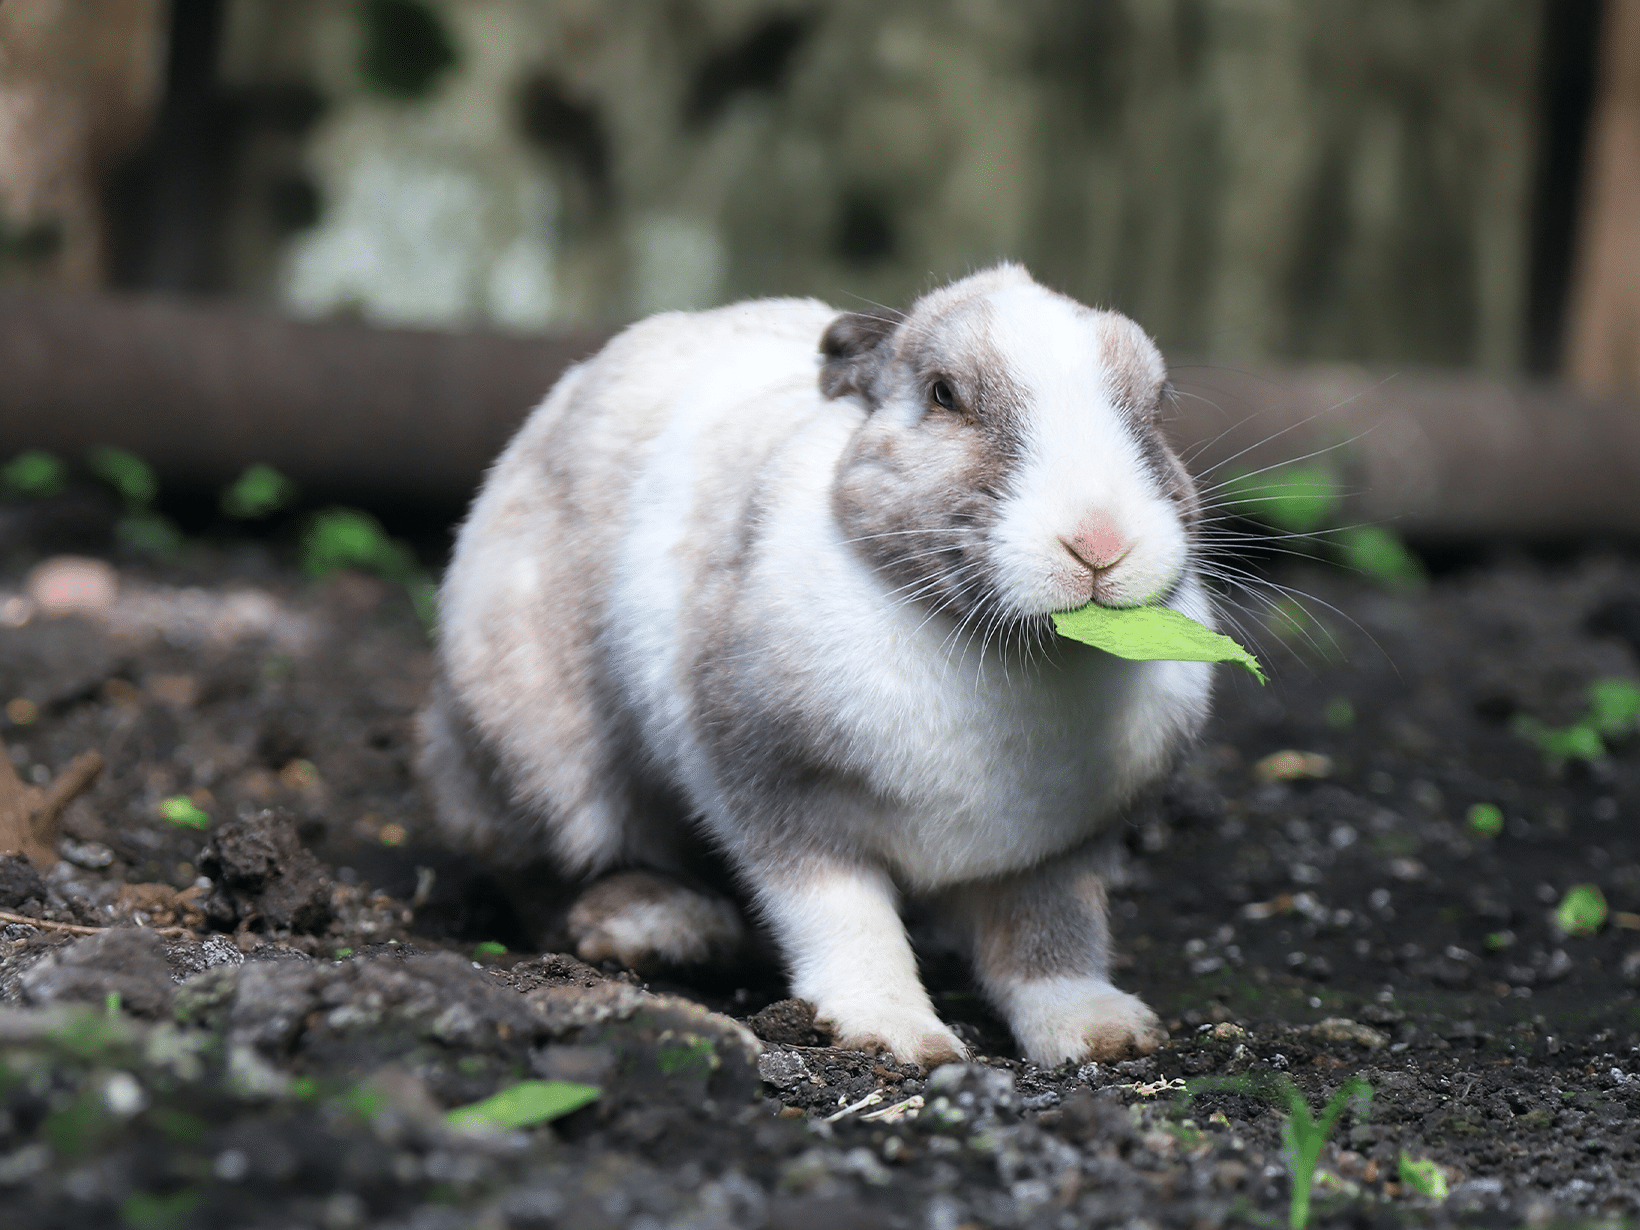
{"points": [[1151, 634]]}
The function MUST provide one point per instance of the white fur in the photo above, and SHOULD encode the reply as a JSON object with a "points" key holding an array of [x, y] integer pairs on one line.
{"points": [[1055, 1019], [1082, 460], [851, 958]]}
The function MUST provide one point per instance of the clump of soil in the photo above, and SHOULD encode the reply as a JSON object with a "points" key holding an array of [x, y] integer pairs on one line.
{"points": [[263, 877]]}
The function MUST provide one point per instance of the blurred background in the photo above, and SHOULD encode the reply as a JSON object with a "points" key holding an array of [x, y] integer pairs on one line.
{"points": [[1265, 185]]}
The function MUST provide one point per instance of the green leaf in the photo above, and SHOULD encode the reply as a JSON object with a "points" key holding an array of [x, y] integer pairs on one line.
{"points": [[260, 490], [1486, 819], [1381, 554], [424, 599], [525, 1104], [1302, 1137], [1578, 742], [1423, 1176], [489, 948], [690, 1056], [149, 532], [183, 812], [149, 1211], [347, 538], [1340, 713], [1582, 911], [126, 473], [1300, 498], [34, 474], [1150, 634], [1614, 706]]}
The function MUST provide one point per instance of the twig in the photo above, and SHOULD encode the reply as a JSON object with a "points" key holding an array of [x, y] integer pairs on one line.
{"points": [[45, 924], [29, 816]]}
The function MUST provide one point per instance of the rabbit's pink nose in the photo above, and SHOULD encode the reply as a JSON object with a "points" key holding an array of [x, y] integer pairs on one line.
{"points": [[1098, 542]]}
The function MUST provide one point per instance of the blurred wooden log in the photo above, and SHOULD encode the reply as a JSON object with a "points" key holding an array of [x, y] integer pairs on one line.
{"points": [[359, 413], [1435, 455], [201, 391]]}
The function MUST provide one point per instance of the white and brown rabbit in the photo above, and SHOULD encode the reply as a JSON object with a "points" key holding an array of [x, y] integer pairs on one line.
{"points": [[779, 580]]}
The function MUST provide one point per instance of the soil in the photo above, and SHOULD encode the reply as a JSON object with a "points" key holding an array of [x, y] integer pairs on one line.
{"points": [[263, 1022]]}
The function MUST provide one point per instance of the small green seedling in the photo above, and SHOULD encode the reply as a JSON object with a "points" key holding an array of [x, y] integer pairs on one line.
{"points": [[1614, 707], [347, 538], [1582, 911], [1302, 1136], [151, 1211], [149, 533], [127, 473], [343, 953], [524, 1105], [1485, 819], [111, 1005], [33, 475], [1381, 554], [1152, 633], [1303, 498], [1579, 741], [1339, 713], [141, 528], [259, 491], [1613, 713], [489, 948], [183, 812], [1423, 1176], [1300, 498]]}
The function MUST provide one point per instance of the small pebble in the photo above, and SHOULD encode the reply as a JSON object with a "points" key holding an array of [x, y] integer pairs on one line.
{"points": [[72, 585]]}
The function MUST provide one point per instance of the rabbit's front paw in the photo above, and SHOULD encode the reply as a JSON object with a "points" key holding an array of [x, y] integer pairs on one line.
{"points": [[1080, 1019]]}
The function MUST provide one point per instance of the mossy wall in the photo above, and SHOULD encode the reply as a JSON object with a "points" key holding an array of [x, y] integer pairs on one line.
{"points": [[1292, 179]]}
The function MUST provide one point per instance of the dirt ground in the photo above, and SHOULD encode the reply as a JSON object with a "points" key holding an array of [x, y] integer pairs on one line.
{"points": [[290, 1029]]}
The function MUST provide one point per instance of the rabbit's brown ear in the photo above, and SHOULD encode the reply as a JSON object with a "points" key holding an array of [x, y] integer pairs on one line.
{"points": [[856, 349]]}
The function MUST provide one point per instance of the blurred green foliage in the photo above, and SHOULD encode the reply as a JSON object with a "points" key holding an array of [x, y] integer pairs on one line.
{"points": [[34, 475], [155, 1211], [1300, 498], [1614, 707], [1485, 819], [1304, 498], [1613, 714], [1423, 1176], [348, 538], [525, 1104], [127, 473], [1339, 713], [141, 528], [256, 493], [1380, 554], [183, 812], [1582, 911]]}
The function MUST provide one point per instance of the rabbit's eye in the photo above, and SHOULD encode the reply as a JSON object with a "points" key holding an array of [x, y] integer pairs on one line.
{"points": [[941, 392]]}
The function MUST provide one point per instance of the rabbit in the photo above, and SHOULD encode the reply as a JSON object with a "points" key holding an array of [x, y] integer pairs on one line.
{"points": [[777, 580]]}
